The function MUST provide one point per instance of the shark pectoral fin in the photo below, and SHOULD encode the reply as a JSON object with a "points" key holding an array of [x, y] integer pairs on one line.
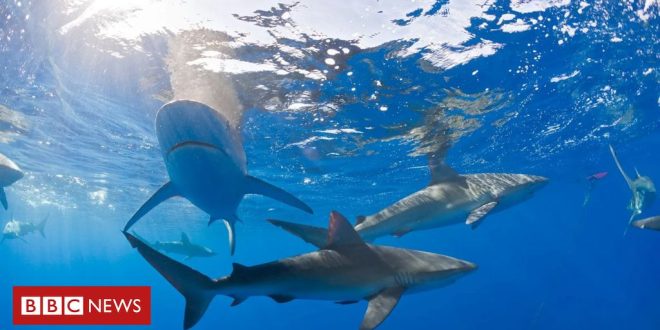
{"points": [[257, 186], [380, 306], [3, 198], [237, 300], [479, 213], [280, 298], [229, 224], [165, 192], [312, 235]]}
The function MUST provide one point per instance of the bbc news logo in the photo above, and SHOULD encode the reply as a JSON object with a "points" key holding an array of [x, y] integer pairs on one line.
{"points": [[84, 305]]}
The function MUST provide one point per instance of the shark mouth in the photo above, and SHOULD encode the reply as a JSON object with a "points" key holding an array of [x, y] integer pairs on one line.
{"points": [[195, 144]]}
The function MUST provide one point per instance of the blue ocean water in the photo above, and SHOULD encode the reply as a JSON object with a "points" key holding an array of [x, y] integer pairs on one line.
{"points": [[341, 103]]}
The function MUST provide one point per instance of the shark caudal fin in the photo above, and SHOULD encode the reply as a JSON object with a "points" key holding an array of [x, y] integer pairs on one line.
{"points": [[618, 165], [41, 226], [193, 285], [312, 235], [260, 187], [165, 192], [3, 198]]}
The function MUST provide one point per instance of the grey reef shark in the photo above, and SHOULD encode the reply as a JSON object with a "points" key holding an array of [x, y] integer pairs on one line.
{"points": [[18, 229], [206, 164], [346, 270], [450, 198], [9, 173], [183, 247], [642, 188]]}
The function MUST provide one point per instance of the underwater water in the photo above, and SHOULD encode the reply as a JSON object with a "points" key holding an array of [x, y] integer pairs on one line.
{"points": [[341, 104]]}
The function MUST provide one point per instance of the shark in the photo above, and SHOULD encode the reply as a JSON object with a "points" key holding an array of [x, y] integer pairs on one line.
{"points": [[206, 163], [346, 270], [450, 198], [652, 223], [15, 229], [642, 188], [183, 247], [9, 173]]}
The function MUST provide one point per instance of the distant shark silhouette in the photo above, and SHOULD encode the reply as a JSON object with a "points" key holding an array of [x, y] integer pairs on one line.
{"points": [[9, 173], [18, 229], [450, 198], [642, 188], [206, 163], [183, 247], [652, 223], [345, 270]]}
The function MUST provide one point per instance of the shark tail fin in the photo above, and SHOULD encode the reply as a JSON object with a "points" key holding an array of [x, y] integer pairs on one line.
{"points": [[312, 235], [196, 287], [257, 186], [41, 227], [618, 165]]}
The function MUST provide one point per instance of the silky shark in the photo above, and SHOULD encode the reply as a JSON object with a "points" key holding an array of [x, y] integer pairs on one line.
{"points": [[652, 223], [450, 198], [183, 247], [642, 188], [9, 173], [345, 270], [17, 229], [206, 164]]}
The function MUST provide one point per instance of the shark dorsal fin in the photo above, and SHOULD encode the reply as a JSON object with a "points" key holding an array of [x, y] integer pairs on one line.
{"points": [[360, 219], [239, 270], [185, 239], [341, 233], [440, 171]]}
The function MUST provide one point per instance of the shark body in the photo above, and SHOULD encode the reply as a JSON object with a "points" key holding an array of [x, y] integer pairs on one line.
{"points": [[206, 164], [449, 199], [642, 188], [15, 229], [346, 270], [652, 223], [183, 247]]}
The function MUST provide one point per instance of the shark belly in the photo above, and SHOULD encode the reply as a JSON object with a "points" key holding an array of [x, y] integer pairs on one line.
{"points": [[208, 177], [321, 275]]}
